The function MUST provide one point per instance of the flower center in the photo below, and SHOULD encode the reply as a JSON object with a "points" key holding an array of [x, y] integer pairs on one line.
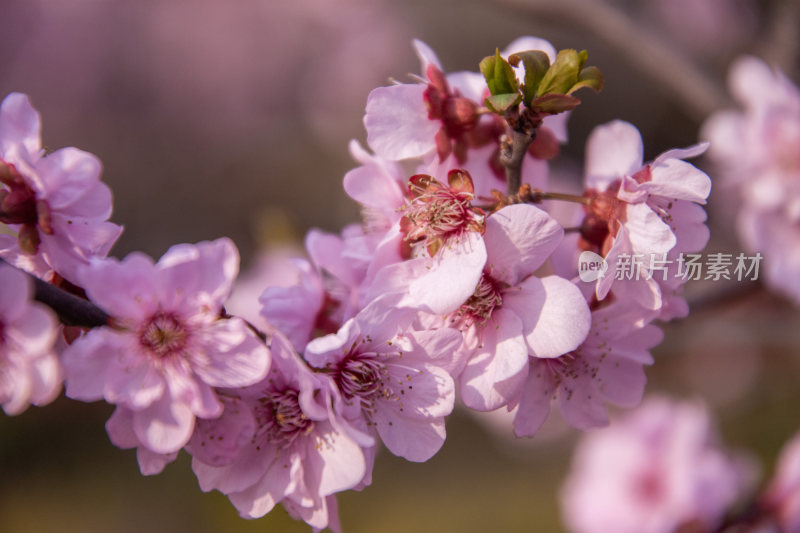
{"points": [[480, 306], [18, 205], [164, 335], [361, 376], [438, 212], [280, 419], [601, 215]]}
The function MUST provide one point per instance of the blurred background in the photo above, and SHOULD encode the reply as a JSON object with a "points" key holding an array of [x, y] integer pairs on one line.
{"points": [[232, 119]]}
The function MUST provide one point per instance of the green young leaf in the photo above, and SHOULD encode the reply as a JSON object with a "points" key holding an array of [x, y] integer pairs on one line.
{"points": [[500, 103], [563, 73], [499, 75], [590, 77], [536, 64], [554, 103]]}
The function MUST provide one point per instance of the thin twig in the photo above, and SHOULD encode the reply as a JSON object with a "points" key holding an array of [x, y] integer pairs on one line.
{"points": [[512, 153]]}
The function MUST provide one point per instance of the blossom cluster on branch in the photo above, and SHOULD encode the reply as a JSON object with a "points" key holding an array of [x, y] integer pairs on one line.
{"points": [[460, 285]]}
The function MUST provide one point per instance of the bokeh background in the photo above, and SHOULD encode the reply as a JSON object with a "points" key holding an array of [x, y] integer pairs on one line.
{"points": [[231, 118]]}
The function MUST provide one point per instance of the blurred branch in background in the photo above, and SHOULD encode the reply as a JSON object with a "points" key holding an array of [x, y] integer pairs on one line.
{"points": [[682, 80]]}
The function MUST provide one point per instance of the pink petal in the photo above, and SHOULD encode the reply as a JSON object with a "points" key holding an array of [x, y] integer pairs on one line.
{"points": [[523, 44], [69, 175], [470, 85], [249, 468], [165, 426], [429, 391], [326, 252], [218, 442], [198, 278], [232, 355], [397, 122], [367, 186], [612, 151], [46, 377], [498, 365], [519, 239], [751, 80], [648, 234], [411, 439], [453, 275], [135, 383], [15, 294], [426, 55], [19, 123], [126, 289], [120, 428], [260, 498], [151, 463], [439, 347], [184, 388], [534, 403], [554, 315], [35, 331], [678, 179], [86, 365], [558, 125], [337, 465]]}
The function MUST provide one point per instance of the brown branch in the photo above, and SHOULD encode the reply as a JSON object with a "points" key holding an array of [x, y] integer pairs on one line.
{"points": [[71, 310], [512, 154]]}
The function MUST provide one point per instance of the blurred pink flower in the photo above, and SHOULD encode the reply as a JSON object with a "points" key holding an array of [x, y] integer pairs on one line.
{"points": [[638, 209], [29, 369], [657, 469], [168, 347], [756, 151], [782, 496], [56, 203], [710, 28]]}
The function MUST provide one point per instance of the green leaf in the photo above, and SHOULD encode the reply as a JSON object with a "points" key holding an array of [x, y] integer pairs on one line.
{"points": [[553, 104], [590, 77], [563, 73], [536, 64], [499, 75], [500, 103]]}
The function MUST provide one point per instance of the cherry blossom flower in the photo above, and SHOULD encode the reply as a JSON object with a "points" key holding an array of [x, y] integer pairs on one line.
{"points": [[606, 367], [397, 379], [29, 369], [782, 496], [756, 152], [444, 247], [168, 347], [328, 289], [281, 443], [641, 210], [440, 114], [654, 471], [55, 203], [513, 316]]}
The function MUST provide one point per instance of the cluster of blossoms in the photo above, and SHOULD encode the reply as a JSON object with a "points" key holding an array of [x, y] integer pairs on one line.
{"points": [[461, 285], [663, 469], [757, 153]]}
